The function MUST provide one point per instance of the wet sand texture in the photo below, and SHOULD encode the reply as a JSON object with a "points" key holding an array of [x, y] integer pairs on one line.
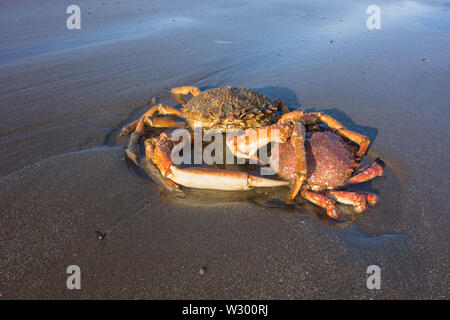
{"points": [[65, 94]]}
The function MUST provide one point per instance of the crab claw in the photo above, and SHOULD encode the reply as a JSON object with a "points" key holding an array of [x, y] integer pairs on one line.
{"points": [[371, 172], [331, 211], [322, 201], [371, 198], [129, 128], [358, 201], [159, 151]]}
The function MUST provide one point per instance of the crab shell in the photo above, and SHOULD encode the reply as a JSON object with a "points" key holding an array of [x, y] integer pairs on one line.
{"points": [[330, 160], [229, 108]]}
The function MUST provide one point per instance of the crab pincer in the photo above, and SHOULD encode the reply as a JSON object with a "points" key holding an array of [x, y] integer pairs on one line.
{"points": [[159, 150]]}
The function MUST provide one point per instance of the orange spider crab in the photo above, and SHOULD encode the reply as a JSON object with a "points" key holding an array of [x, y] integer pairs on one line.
{"points": [[310, 161]]}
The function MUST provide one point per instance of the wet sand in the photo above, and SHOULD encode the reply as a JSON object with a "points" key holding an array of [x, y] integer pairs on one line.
{"points": [[65, 94]]}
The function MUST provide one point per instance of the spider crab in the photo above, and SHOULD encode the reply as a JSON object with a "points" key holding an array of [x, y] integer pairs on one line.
{"points": [[311, 161]]}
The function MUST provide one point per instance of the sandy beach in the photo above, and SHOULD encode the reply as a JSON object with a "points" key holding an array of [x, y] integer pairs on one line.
{"points": [[64, 180]]}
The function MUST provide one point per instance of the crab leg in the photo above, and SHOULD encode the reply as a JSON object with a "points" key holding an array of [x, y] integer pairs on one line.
{"points": [[160, 108], [137, 127], [371, 172], [159, 151], [129, 128], [186, 90], [318, 117], [371, 198], [292, 116], [180, 91], [358, 201], [322, 201], [163, 109], [298, 142], [163, 123]]}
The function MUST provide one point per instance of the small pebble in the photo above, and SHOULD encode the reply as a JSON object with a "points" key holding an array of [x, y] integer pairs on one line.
{"points": [[202, 270], [100, 235]]}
